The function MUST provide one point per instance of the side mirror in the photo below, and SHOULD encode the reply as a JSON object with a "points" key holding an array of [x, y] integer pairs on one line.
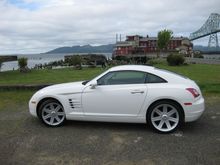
{"points": [[93, 86]]}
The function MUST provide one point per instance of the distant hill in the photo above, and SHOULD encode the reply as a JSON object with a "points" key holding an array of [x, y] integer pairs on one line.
{"points": [[109, 49], [206, 49], [84, 49]]}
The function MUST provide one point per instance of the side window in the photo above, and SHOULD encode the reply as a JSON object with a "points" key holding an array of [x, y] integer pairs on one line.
{"points": [[122, 77], [154, 79], [104, 80]]}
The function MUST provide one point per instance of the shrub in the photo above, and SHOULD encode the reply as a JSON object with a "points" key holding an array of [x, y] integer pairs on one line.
{"points": [[75, 61], [1, 63], [198, 56], [122, 58], [155, 61], [175, 59], [22, 63], [92, 66]]}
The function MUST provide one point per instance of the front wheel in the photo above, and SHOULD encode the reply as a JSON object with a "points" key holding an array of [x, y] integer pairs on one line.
{"points": [[165, 116], [51, 113]]}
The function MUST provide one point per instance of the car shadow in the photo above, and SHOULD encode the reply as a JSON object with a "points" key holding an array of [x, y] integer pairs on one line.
{"points": [[108, 125], [194, 127]]}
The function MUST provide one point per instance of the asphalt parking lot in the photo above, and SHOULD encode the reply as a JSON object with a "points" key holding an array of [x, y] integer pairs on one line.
{"points": [[24, 140]]}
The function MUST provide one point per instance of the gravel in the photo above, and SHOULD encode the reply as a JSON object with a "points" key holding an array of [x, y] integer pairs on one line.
{"points": [[25, 140]]}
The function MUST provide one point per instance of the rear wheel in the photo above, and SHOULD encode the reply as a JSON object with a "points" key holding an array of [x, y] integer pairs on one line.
{"points": [[51, 113], [165, 116]]}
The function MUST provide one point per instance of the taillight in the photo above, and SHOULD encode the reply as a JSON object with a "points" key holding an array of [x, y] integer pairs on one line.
{"points": [[193, 91]]}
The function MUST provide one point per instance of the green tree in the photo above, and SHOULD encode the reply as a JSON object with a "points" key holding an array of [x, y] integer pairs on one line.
{"points": [[164, 37], [22, 63]]}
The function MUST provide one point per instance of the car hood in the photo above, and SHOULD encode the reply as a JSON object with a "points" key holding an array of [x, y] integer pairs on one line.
{"points": [[64, 88]]}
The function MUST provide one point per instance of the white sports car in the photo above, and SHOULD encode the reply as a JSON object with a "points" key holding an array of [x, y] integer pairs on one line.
{"points": [[129, 93]]}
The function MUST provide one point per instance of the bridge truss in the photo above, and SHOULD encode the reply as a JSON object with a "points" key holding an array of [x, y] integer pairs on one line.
{"points": [[210, 28]]}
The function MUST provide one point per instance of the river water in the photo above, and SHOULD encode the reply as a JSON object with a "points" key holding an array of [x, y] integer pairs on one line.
{"points": [[35, 59]]}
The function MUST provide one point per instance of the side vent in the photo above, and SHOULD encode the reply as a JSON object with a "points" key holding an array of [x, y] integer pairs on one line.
{"points": [[74, 103]]}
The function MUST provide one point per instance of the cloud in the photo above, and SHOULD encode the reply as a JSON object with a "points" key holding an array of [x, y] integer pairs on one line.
{"points": [[55, 23]]}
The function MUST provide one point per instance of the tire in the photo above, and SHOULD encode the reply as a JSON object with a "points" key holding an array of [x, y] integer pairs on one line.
{"points": [[51, 113], [165, 116]]}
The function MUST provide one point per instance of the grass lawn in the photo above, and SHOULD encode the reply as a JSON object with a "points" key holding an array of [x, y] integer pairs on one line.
{"points": [[14, 99], [48, 76], [207, 76]]}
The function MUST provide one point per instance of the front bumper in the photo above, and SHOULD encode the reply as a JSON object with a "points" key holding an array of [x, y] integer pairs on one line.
{"points": [[194, 111], [32, 108]]}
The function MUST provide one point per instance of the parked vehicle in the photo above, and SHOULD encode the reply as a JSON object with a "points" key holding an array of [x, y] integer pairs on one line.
{"points": [[129, 93]]}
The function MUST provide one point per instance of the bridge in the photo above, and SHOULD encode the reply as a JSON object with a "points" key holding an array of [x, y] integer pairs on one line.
{"points": [[210, 28]]}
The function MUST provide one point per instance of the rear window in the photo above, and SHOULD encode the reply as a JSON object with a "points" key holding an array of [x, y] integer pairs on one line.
{"points": [[151, 78]]}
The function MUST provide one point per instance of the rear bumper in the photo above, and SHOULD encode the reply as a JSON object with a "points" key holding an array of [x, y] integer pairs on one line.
{"points": [[194, 111]]}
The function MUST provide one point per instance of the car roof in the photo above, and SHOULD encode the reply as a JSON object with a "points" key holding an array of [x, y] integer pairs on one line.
{"points": [[165, 74], [143, 68]]}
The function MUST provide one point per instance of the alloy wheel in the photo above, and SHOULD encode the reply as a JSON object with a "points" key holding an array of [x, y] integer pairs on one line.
{"points": [[165, 117], [53, 114]]}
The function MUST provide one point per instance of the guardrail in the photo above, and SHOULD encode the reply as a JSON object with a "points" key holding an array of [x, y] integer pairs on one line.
{"points": [[202, 61]]}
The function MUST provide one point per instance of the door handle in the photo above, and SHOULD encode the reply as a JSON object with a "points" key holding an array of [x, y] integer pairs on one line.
{"points": [[136, 92]]}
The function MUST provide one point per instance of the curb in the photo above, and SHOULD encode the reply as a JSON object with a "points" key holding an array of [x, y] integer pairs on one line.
{"points": [[24, 87]]}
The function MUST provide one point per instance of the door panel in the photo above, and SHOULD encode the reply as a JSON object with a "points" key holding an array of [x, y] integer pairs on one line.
{"points": [[114, 100]]}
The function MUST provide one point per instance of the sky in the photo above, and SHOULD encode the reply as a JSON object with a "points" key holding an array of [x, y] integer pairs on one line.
{"points": [[36, 26]]}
